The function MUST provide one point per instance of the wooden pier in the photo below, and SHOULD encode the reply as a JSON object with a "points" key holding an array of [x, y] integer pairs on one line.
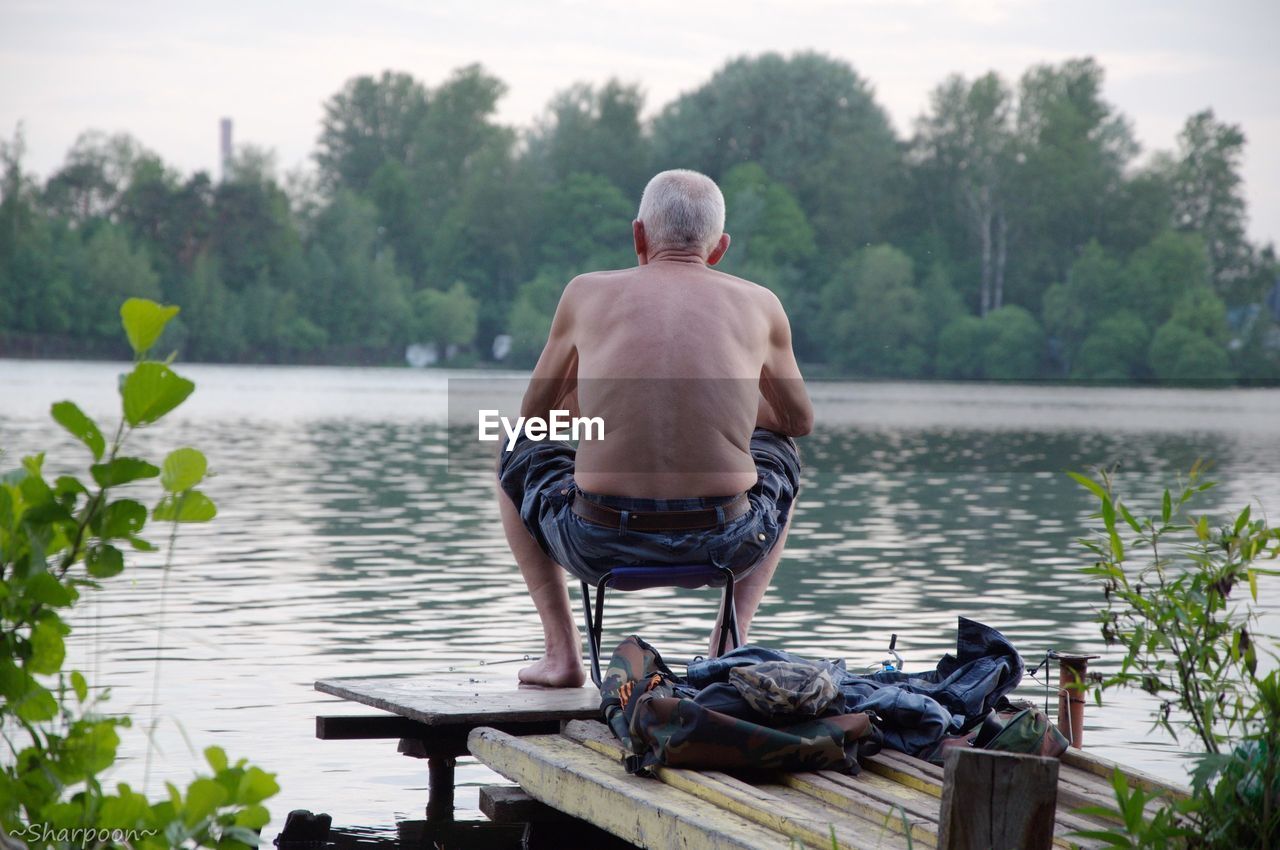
{"points": [[566, 763]]}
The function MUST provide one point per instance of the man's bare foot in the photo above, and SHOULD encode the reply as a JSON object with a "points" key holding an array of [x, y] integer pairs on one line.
{"points": [[554, 673]]}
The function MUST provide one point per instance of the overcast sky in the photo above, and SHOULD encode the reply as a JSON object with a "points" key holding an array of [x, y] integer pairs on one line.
{"points": [[166, 72]]}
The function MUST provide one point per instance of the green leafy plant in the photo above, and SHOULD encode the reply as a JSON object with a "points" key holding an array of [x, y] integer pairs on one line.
{"points": [[1169, 582], [57, 540]]}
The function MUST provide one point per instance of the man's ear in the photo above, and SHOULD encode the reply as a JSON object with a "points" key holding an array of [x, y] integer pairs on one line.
{"points": [[718, 251], [642, 241]]}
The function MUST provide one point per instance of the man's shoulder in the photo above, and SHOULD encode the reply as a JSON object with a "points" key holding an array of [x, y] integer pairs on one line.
{"points": [[581, 283], [766, 296]]}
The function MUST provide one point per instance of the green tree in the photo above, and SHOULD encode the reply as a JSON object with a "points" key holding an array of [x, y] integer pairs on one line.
{"points": [[371, 121], [596, 131], [253, 231], [811, 122], [1095, 288], [36, 293], [172, 218], [529, 321], [1163, 271], [97, 172], [1015, 345], [961, 348], [1072, 150], [111, 270], [1208, 194], [587, 225], [878, 320], [768, 226], [967, 143], [356, 294], [1179, 353], [485, 239], [446, 318], [215, 318], [1115, 350]]}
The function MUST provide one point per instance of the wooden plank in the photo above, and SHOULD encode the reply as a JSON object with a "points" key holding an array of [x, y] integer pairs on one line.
{"points": [[512, 804], [928, 777], [439, 701], [360, 727], [998, 801], [583, 783], [870, 795], [853, 799], [894, 766], [759, 803], [879, 832], [1105, 768]]}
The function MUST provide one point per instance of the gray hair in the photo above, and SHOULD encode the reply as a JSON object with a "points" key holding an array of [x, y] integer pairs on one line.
{"points": [[682, 209]]}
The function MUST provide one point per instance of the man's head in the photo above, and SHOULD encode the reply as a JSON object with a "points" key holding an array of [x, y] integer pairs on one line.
{"points": [[681, 211]]}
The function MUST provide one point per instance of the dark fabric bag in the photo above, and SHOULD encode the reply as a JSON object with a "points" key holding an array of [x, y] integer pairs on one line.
{"points": [[1032, 733], [1013, 727], [649, 710]]}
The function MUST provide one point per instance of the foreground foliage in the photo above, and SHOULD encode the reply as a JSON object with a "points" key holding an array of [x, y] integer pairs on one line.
{"points": [[59, 540], [1169, 581]]}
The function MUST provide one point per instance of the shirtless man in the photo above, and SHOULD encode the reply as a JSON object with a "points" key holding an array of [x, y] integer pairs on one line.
{"points": [[693, 374]]}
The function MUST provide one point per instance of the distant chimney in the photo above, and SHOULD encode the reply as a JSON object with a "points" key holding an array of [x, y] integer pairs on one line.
{"points": [[226, 148]]}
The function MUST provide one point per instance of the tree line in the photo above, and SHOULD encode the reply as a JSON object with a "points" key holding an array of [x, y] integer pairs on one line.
{"points": [[1016, 234]]}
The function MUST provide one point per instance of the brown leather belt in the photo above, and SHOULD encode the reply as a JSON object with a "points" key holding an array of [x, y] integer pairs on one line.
{"points": [[662, 520]]}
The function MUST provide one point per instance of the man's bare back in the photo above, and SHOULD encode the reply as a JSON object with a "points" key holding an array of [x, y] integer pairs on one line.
{"points": [[671, 354]]}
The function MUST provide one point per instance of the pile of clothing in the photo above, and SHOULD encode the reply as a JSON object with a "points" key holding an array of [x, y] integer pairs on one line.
{"points": [[757, 707]]}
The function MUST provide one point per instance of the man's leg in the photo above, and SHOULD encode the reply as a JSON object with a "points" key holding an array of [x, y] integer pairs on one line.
{"points": [[748, 592], [561, 664]]}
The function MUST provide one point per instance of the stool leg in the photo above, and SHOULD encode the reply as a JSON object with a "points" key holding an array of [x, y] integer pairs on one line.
{"points": [[594, 627], [728, 615]]}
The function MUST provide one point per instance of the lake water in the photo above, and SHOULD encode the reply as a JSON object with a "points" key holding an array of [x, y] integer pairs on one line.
{"points": [[349, 544]]}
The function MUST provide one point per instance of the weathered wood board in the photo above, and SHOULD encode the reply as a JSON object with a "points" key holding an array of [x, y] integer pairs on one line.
{"points": [[437, 701], [588, 785], [895, 802]]}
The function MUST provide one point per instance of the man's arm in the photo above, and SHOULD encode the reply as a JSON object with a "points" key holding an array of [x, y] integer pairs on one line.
{"points": [[554, 384], [784, 401]]}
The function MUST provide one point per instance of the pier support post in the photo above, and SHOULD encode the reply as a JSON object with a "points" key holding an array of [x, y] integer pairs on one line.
{"points": [[1072, 674], [997, 801], [440, 788]]}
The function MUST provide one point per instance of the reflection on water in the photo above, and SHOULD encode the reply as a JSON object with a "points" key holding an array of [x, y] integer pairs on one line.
{"points": [[349, 545]]}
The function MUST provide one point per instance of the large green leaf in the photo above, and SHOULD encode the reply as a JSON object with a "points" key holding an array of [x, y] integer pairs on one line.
{"points": [[150, 391], [71, 417], [122, 518], [255, 786], [122, 470], [204, 796], [47, 590], [253, 817], [36, 704], [217, 758], [47, 648], [191, 506], [144, 321], [104, 561], [184, 468]]}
